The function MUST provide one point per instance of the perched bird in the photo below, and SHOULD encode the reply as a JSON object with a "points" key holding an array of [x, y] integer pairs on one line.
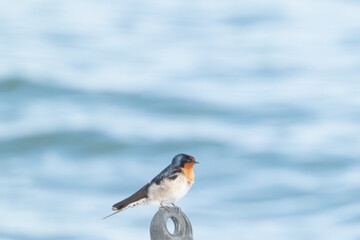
{"points": [[166, 188]]}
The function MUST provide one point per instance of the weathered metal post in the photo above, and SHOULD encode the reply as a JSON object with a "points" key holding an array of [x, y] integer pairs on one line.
{"points": [[158, 228]]}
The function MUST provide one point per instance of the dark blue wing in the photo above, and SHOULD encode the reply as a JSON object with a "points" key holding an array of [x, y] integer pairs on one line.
{"points": [[169, 172]]}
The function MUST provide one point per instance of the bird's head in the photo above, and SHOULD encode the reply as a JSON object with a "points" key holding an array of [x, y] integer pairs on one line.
{"points": [[181, 160]]}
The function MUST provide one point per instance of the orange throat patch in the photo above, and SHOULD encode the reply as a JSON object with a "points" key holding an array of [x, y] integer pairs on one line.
{"points": [[188, 171]]}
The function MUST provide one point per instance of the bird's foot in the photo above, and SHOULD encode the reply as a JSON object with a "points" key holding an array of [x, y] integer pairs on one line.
{"points": [[165, 207], [177, 208]]}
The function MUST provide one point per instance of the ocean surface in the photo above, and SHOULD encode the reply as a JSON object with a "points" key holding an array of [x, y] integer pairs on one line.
{"points": [[97, 97]]}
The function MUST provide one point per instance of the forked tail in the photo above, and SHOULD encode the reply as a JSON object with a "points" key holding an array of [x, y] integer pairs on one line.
{"points": [[138, 198], [112, 214]]}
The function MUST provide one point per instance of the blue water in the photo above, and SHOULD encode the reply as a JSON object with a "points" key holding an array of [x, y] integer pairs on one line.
{"points": [[96, 97]]}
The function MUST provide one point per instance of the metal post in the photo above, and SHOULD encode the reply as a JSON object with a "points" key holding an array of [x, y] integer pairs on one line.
{"points": [[158, 228]]}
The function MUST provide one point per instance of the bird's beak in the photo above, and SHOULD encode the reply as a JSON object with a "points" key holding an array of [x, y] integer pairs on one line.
{"points": [[196, 162]]}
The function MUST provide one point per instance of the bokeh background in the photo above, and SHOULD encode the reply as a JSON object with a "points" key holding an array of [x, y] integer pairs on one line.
{"points": [[96, 97]]}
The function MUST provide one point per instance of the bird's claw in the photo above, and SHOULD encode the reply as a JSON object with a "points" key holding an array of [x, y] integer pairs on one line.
{"points": [[165, 207], [178, 210]]}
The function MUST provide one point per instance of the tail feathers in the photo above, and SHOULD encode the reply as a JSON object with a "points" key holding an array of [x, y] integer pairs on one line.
{"points": [[121, 206], [138, 198], [112, 214]]}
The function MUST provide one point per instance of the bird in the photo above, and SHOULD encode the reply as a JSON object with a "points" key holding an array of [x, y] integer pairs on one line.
{"points": [[169, 186]]}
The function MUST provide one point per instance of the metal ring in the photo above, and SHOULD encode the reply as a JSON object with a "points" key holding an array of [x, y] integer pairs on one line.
{"points": [[159, 230]]}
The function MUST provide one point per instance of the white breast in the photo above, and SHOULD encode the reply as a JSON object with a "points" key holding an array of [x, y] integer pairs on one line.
{"points": [[169, 191]]}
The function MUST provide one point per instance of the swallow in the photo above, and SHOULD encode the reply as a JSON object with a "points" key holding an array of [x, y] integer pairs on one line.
{"points": [[169, 186]]}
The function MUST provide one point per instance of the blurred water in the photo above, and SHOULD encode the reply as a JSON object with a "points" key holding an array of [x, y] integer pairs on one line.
{"points": [[96, 97]]}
